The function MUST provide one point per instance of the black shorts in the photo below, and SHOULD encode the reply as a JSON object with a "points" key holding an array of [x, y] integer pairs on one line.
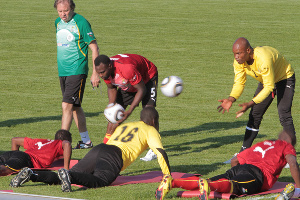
{"points": [[72, 88], [99, 167], [15, 160], [125, 98], [246, 179]]}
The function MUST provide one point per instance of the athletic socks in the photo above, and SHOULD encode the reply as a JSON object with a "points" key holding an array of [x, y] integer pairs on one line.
{"points": [[48, 177], [250, 135], [190, 183], [85, 137], [222, 185], [106, 138]]}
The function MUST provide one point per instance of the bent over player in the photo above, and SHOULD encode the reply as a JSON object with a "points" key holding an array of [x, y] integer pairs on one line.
{"points": [[39, 153], [275, 76], [102, 164], [254, 170], [130, 79]]}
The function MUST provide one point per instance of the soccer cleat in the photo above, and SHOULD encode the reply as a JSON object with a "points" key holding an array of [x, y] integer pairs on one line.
{"points": [[204, 189], [164, 187], [81, 145], [287, 193], [64, 177], [229, 161], [22, 177], [149, 156]]}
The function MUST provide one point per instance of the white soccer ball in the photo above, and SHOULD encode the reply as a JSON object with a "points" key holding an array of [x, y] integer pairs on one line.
{"points": [[113, 112], [171, 86]]}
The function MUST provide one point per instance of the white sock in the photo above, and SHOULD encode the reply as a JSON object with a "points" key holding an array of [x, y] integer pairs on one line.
{"points": [[296, 193], [85, 137]]}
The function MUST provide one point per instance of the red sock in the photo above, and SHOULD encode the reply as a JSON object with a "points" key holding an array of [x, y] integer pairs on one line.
{"points": [[190, 183], [106, 138], [222, 185]]}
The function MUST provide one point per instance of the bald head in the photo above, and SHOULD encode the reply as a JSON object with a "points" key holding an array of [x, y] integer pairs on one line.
{"points": [[242, 51], [242, 43], [150, 116]]}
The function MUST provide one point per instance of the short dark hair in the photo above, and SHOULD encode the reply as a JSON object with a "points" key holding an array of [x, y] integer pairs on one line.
{"points": [[63, 135], [148, 114], [71, 3], [102, 59]]}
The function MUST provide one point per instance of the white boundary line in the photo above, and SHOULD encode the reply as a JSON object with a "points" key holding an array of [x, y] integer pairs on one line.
{"points": [[35, 195]]}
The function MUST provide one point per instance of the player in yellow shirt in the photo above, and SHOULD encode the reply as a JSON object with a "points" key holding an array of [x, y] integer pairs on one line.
{"points": [[275, 76], [103, 163]]}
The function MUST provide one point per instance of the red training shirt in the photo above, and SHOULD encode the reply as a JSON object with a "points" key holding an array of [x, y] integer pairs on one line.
{"points": [[43, 151], [130, 69], [269, 157]]}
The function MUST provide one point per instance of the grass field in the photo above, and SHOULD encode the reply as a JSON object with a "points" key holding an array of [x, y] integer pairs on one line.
{"points": [[188, 38]]}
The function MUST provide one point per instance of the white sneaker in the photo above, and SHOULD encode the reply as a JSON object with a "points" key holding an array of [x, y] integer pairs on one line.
{"points": [[149, 156], [229, 161]]}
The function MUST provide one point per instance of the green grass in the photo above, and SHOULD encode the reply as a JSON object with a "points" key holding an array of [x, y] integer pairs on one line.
{"points": [[188, 38]]}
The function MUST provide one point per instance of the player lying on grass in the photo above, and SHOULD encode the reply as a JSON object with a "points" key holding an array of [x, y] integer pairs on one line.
{"points": [[254, 170], [39, 153], [104, 162]]}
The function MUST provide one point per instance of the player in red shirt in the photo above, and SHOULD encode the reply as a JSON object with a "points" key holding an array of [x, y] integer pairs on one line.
{"points": [[130, 79], [254, 170], [39, 153]]}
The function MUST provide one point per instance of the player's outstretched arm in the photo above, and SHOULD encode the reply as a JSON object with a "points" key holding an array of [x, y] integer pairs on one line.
{"points": [[66, 145], [294, 168], [225, 104], [245, 107], [16, 142]]}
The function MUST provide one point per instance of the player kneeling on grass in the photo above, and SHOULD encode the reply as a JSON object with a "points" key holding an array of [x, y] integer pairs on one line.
{"points": [[254, 170], [39, 153], [104, 162]]}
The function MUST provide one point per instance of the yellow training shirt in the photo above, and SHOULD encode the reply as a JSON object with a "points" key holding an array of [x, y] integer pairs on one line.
{"points": [[135, 137], [269, 67]]}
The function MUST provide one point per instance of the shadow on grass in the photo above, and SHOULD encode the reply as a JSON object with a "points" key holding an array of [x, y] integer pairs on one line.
{"points": [[200, 169], [286, 179], [212, 127], [14, 122], [213, 143]]}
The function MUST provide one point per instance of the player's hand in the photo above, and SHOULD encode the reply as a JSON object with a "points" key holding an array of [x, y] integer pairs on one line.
{"points": [[225, 105], [95, 80], [125, 115], [245, 107]]}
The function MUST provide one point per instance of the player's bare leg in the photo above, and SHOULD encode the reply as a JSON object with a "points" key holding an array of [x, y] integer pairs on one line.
{"points": [[79, 118], [67, 116]]}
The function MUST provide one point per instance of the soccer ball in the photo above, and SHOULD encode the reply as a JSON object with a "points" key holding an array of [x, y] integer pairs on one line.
{"points": [[113, 112], [171, 86]]}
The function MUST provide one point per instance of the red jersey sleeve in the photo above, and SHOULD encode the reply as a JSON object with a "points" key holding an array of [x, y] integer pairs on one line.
{"points": [[289, 150]]}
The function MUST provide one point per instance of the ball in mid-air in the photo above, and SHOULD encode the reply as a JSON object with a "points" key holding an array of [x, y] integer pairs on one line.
{"points": [[113, 112], [171, 86]]}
